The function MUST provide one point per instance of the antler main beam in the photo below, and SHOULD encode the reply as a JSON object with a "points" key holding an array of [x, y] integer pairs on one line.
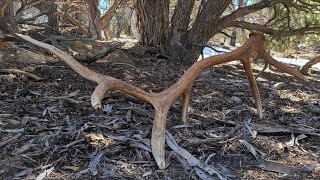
{"points": [[162, 101]]}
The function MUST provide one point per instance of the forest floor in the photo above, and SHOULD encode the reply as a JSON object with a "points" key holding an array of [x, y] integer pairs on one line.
{"points": [[49, 129]]}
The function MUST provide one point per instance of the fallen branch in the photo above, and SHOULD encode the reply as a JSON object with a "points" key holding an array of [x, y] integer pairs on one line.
{"points": [[162, 101], [274, 130], [16, 71], [209, 170]]}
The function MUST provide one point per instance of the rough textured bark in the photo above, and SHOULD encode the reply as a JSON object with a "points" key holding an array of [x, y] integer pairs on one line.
{"points": [[153, 21], [233, 39], [48, 8], [105, 19], [212, 17], [133, 25], [7, 16], [185, 45], [179, 28], [95, 24], [53, 22], [162, 101], [307, 66]]}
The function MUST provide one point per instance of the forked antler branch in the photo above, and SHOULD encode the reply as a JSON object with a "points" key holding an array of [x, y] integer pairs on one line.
{"points": [[162, 101]]}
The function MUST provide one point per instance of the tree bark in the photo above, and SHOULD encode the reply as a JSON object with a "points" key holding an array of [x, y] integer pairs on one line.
{"points": [[203, 29], [53, 22], [95, 25], [153, 21], [233, 38], [7, 16], [304, 70], [179, 28], [49, 8]]}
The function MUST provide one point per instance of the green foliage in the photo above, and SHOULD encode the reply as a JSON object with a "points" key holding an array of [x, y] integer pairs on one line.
{"points": [[281, 44], [290, 18], [311, 40], [294, 43]]}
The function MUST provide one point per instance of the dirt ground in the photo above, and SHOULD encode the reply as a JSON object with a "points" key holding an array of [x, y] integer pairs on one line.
{"points": [[49, 127]]}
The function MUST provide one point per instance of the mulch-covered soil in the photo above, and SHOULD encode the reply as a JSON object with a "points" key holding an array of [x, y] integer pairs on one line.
{"points": [[48, 128]]}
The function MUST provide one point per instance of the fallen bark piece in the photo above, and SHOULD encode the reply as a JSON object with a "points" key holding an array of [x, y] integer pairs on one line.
{"points": [[94, 163], [17, 71], [273, 165], [203, 170], [10, 140], [312, 108], [45, 174]]}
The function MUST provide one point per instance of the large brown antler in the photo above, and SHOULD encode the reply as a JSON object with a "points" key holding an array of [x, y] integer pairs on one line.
{"points": [[162, 101]]}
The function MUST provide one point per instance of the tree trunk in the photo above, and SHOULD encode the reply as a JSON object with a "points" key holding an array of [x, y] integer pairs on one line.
{"points": [[95, 25], [179, 29], [153, 21], [203, 29], [307, 66], [233, 38], [51, 12], [133, 25], [7, 16], [178, 41]]}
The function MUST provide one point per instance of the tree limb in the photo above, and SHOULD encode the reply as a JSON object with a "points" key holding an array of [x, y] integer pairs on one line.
{"points": [[275, 32], [74, 22]]}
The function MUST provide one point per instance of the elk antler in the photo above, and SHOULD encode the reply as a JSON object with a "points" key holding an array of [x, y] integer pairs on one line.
{"points": [[162, 101]]}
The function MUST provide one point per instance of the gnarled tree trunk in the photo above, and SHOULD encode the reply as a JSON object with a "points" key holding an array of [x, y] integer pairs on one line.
{"points": [[177, 40], [53, 22], [205, 26], [179, 29], [95, 25], [153, 21]]}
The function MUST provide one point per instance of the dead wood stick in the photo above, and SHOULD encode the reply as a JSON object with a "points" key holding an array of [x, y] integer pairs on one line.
{"points": [[192, 160], [162, 101], [17, 71]]}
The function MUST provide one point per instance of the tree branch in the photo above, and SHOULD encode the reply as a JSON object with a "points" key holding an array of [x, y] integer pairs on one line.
{"points": [[74, 22], [275, 32], [105, 19], [240, 12]]}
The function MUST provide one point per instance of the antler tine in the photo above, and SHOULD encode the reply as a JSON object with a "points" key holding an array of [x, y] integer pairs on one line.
{"points": [[261, 50], [111, 83], [253, 86], [282, 67], [185, 104]]}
